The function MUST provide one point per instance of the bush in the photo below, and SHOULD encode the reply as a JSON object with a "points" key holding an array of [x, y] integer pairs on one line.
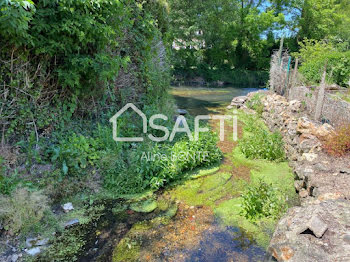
{"points": [[69, 59], [338, 144], [8, 183], [74, 153], [256, 104], [314, 55], [263, 145], [22, 210], [156, 165], [262, 200]]}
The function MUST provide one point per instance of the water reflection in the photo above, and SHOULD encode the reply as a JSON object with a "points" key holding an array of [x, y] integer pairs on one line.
{"points": [[197, 100], [227, 245]]}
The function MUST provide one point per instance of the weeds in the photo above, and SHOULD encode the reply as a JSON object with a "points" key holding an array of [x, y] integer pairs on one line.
{"points": [[8, 183], [256, 104], [338, 144], [263, 145], [166, 163], [22, 210], [262, 200], [74, 153]]}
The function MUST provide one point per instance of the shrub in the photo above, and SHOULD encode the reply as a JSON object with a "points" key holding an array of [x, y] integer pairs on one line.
{"points": [[70, 59], [256, 104], [263, 145], [74, 153], [262, 200], [314, 55], [186, 155], [338, 144], [22, 210], [8, 183], [155, 165]]}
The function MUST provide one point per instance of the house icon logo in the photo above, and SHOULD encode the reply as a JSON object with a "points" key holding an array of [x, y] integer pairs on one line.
{"points": [[114, 121], [180, 126]]}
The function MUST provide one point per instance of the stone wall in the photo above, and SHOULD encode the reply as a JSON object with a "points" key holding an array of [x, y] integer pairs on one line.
{"points": [[335, 110], [318, 230]]}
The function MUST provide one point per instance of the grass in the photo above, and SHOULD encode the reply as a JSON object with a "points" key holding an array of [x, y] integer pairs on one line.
{"points": [[344, 95]]}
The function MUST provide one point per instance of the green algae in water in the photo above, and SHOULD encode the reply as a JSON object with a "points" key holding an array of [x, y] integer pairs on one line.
{"points": [[130, 246], [145, 206], [205, 190], [221, 192], [128, 249], [138, 197], [279, 174], [228, 213], [213, 190]]}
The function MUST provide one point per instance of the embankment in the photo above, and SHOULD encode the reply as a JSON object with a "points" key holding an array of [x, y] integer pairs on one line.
{"points": [[318, 230]]}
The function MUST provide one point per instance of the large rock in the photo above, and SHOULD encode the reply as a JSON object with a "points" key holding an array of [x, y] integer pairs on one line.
{"points": [[315, 233], [238, 101], [309, 144], [324, 131], [305, 126], [295, 105], [67, 207]]}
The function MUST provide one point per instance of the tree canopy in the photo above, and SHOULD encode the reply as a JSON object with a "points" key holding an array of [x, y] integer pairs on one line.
{"points": [[241, 34]]}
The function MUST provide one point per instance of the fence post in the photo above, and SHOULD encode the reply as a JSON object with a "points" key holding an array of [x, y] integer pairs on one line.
{"points": [[321, 94], [286, 91], [280, 51], [293, 81]]}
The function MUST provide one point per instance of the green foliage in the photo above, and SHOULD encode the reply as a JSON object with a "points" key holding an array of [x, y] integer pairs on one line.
{"points": [[8, 183], [69, 244], [256, 104], [319, 18], [66, 248], [75, 153], [261, 144], [22, 210], [314, 56], [156, 165], [68, 56], [242, 34], [15, 16], [77, 34], [222, 35], [262, 200], [184, 155]]}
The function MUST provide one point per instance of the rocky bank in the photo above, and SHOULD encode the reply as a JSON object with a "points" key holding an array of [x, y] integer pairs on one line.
{"points": [[319, 229]]}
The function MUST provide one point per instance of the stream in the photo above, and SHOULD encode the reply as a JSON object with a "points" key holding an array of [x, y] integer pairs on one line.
{"points": [[200, 100], [200, 218]]}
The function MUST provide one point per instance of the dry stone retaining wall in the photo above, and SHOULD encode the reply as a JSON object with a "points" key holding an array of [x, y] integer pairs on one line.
{"points": [[319, 229]]}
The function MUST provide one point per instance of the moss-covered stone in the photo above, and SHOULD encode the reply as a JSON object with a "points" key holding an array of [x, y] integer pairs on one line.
{"points": [[145, 206]]}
